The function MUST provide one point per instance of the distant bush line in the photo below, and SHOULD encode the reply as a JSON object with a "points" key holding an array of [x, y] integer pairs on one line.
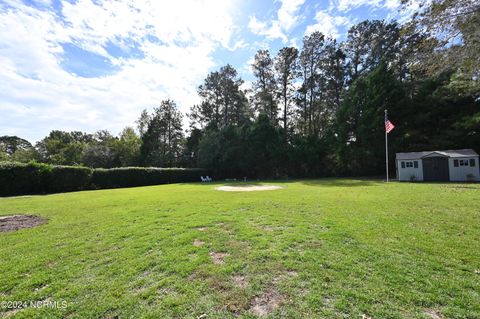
{"points": [[39, 178]]}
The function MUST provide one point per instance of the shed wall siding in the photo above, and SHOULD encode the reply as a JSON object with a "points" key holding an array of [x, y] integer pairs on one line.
{"points": [[404, 174], [459, 174]]}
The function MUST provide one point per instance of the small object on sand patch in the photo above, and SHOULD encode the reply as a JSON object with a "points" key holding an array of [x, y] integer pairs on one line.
{"points": [[248, 188], [202, 316], [217, 258], [198, 243], [16, 222], [266, 303]]}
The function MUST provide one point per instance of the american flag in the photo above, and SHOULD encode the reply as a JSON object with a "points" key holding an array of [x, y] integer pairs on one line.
{"points": [[388, 125]]}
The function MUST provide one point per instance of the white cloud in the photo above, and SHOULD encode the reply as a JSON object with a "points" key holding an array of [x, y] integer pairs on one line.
{"points": [[38, 95], [404, 13], [287, 14], [347, 5], [287, 18], [328, 24], [392, 4], [272, 31]]}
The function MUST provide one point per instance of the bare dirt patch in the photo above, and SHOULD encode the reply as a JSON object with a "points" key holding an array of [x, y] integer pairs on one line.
{"points": [[248, 188], [198, 243], [16, 222], [240, 281], [218, 258], [266, 303], [431, 313]]}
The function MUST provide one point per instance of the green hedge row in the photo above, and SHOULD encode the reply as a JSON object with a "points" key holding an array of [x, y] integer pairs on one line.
{"points": [[36, 178]]}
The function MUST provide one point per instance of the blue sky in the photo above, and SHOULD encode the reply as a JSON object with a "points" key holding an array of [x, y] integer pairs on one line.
{"points": [[89, 65]]}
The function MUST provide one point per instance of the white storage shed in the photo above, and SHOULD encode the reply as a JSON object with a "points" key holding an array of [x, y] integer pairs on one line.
{"points": [[439, 166]]}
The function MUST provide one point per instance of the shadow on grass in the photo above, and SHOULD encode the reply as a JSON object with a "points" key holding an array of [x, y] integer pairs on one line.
{"points": [[343, 182], [332, 182]]}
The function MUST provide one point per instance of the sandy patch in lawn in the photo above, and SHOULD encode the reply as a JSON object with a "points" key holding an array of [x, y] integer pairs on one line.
{"points": [[16, 222], [266, 303], [248, 188], [218, 258], [198, 243], [431, 313], [240, 281]]}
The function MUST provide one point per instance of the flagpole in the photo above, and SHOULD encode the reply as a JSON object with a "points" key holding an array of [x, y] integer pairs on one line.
{"points": [[386, 146]]}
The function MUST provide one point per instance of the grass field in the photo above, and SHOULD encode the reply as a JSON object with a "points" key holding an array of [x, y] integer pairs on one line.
{"points": [[315, 249]]}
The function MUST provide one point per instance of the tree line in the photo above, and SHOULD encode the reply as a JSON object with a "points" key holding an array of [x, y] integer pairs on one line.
{"points": [[311, 111]]}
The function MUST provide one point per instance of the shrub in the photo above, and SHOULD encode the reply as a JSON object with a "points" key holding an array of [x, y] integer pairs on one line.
{"points": [[35, 178], [69, 178], [143, 176], [21, 178]]}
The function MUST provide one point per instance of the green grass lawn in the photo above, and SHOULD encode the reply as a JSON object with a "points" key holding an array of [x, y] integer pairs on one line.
{"points": [[315, 249]]}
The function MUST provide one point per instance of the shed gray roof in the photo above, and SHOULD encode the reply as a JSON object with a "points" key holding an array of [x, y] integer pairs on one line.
{"points": [[450, 153]]}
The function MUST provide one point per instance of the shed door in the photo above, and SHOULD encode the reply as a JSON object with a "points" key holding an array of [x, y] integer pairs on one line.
{"points": [[435, 169]]}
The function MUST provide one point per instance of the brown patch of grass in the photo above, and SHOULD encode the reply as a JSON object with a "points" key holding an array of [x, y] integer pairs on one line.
{"points": [[199, 274], [431, 313], [51, 264], [218, 258], [327, 301], [266, 303], [236, 301], [16, 222], [198, 243], [240, 281]]}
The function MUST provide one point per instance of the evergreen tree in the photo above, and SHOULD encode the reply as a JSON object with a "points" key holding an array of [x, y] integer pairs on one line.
{"points": [[368, 43], [360, 121], [162, 143], [286, 71], [313, 86], [222, 100], [264, 88]]}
